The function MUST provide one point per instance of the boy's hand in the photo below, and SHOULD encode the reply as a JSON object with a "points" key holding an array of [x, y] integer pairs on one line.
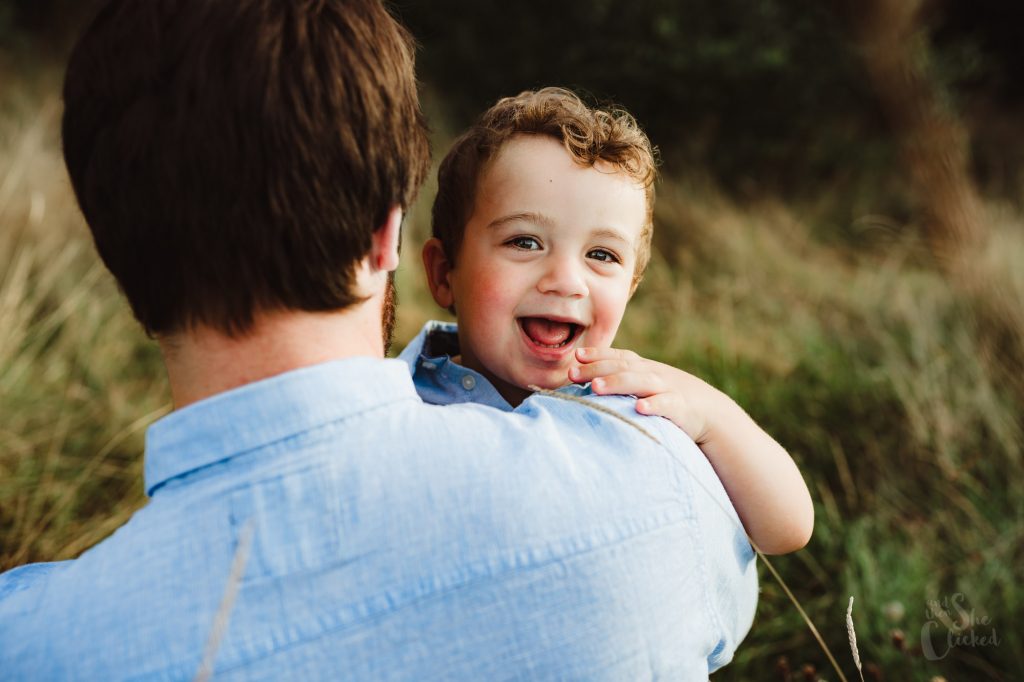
{"points": [[761, 478], [663, 390]]}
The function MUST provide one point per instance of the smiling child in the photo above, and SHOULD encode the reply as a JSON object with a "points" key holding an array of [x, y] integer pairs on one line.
{"points": [[542, 230]]}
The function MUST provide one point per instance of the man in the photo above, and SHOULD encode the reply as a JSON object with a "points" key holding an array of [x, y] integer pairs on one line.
{"points": [[243, 166]]}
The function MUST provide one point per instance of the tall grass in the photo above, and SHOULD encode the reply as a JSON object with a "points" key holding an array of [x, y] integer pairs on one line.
{"points": [[888, 385], [876, 372], [78, 380]]}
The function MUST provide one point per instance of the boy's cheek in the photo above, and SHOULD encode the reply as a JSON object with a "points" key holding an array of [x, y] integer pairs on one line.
{"points": [[476, 284], [603, 332], [484, 309], [490, 290]]}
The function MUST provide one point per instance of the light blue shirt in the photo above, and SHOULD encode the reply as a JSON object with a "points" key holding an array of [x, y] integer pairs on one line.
{"points": [[396, 540]]}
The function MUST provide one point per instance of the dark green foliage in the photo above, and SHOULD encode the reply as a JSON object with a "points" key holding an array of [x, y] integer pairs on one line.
{"points": [[743, 88], [764, 96]]}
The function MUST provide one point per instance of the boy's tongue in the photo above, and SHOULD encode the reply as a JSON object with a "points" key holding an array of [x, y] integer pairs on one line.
{"points": [[546, 332]]}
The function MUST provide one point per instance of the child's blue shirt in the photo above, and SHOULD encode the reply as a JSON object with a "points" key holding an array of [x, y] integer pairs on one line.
{"points": [[440, 381]]}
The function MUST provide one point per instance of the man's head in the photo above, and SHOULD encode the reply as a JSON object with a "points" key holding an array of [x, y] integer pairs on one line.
{"points": [[542, 229], [234, 157]]}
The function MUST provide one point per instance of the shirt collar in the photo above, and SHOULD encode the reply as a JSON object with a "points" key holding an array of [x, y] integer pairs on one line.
{"points": [[441, 381], [412, 354], [262, 412]]}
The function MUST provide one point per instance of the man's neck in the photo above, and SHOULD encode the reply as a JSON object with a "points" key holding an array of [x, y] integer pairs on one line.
{"points": [[203, 362]]}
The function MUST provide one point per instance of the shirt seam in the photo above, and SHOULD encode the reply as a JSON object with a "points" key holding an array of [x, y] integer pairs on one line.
{"points": [[694, 521]]}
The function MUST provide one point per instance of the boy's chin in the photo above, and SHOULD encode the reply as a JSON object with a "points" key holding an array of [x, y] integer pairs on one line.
{"points": [[549, 382]]}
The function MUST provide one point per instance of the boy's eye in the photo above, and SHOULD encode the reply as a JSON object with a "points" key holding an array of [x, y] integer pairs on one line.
{"points": [[603, 255], [524, 243]]}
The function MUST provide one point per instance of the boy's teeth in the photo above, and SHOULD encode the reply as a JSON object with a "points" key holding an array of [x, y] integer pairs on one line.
{"points": [[547, 333]]}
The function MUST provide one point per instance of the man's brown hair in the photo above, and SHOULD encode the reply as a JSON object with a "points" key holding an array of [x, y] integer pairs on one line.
{"points": [[589, 134], [235, 156]]}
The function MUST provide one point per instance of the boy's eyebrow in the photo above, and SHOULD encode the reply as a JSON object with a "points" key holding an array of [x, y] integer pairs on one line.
{"points": [[609, 233], [545, 221], [527, 217]]}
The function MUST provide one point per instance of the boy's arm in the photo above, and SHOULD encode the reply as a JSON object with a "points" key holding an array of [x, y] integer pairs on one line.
{"points": [[762, 480]]}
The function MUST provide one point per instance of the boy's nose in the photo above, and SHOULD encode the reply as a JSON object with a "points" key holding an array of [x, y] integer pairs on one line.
{"points": [[563, 278]]}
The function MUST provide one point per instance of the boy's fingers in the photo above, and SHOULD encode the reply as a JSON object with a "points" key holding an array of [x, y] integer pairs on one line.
{"points": [[640, 384], [590, 354], [674, 408], [658, 404], [600, 368]]}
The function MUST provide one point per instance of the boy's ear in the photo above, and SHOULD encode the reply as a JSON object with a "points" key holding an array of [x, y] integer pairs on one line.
{"points": [[438, 269], [386, 240]]}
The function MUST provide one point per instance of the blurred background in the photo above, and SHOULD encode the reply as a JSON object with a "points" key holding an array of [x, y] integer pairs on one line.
{"points": [[839, 245]]}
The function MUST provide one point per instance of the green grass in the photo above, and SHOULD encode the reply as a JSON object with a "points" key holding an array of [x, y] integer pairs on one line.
{"points": [[877, 374], [897, 392]]}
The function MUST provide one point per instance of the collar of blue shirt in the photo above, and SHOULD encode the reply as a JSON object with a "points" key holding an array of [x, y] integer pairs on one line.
{"points": [[441, 381], [266, 411]]}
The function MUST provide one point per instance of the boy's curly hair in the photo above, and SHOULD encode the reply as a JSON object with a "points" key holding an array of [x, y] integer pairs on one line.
{"points": [[589, 134]]}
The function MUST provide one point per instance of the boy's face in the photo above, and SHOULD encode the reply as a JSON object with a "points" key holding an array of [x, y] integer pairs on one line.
{"points": [[545, 265]]}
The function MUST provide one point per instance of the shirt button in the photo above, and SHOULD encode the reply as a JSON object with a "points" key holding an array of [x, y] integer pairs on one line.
{"points": [[428, 365], [469, 382]]}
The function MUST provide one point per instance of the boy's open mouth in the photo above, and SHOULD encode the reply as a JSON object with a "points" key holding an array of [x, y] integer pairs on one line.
{"points": [[548, 333]]}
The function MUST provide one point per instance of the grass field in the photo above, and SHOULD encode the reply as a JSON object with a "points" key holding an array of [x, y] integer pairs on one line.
{"points": [[899, 393]]}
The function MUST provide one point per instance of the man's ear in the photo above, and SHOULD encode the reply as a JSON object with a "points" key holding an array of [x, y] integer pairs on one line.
{"points": [[438, 269], [385, 242]]}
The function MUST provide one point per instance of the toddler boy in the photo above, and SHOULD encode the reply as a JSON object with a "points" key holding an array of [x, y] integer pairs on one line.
{"points": [[542, 229]]}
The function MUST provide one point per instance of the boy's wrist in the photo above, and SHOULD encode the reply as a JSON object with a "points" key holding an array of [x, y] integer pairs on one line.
{"points": [[720, 412]]}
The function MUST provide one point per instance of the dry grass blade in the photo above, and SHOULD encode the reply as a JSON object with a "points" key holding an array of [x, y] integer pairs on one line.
{"points": [[227, 602], [853, 638], [594, 406], [83, 476]]}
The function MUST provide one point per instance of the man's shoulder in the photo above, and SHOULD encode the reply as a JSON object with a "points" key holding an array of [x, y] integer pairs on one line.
{"points": [[592, 456], [26, 579], [562, 421], [608, 417], [22, 599], [553, 416]]}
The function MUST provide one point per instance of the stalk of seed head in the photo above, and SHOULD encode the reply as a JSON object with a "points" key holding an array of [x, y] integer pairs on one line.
{"points": [[853, 639]]}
